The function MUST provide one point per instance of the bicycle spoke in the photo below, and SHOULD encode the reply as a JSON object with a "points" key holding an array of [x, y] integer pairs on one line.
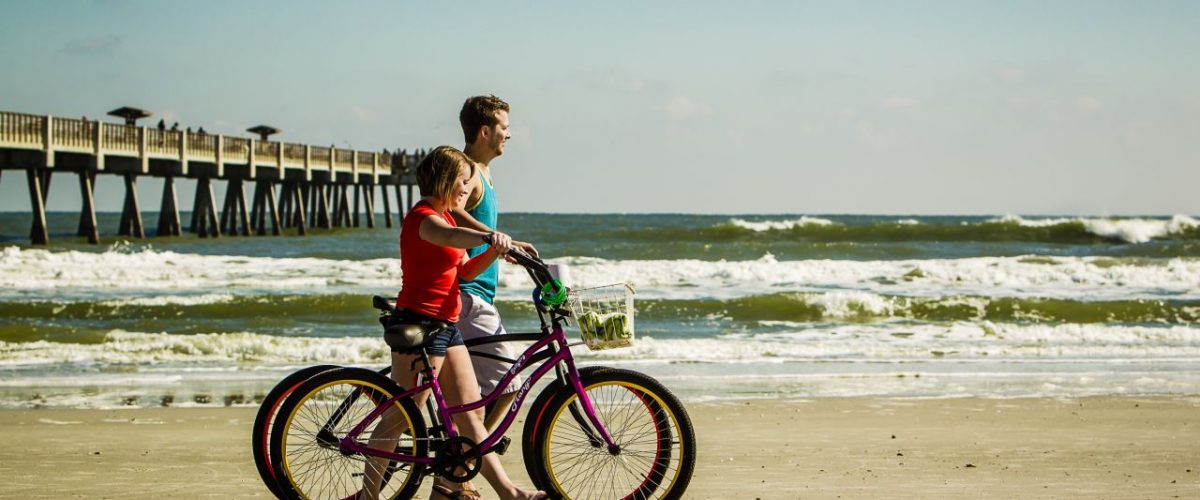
{"points": [[653, 461], [330, 406]]}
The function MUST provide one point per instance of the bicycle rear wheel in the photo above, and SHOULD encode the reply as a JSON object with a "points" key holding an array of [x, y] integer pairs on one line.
{"points": [[323, 410], [657, 443], [261, 433]]}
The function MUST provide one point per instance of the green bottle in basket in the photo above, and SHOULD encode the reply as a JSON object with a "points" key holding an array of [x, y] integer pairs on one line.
{"points": [[608, 328], [589, 327]]}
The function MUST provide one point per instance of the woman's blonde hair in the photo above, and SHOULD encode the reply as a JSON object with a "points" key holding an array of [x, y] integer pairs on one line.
{"points": [[438, 171]]}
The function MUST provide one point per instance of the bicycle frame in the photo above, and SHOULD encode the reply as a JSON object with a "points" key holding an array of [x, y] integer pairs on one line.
{"points": [[562, 354]]}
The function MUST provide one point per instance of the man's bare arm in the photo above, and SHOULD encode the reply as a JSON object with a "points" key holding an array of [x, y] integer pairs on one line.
{"points": [[464, 219]]}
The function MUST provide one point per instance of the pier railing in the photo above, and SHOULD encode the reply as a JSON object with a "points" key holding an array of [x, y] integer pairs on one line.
{"points": [[315, 183], [53, 134]]}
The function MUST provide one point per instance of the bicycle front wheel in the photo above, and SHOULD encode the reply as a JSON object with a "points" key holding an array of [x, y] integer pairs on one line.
{"points": [[323, 410], [657, 443]]}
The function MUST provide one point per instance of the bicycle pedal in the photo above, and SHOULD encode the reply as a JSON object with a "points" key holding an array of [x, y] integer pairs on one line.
{"points": [[501, 446]]}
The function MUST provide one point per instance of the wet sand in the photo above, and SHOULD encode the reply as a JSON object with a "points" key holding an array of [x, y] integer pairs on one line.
{"points": [[1101, 447]]}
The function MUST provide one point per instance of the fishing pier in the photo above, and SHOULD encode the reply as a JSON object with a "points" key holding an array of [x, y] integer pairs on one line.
{"points": [[296, 187]]}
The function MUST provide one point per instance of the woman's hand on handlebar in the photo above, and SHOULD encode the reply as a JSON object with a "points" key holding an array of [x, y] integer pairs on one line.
{"points": [[500, 242]]}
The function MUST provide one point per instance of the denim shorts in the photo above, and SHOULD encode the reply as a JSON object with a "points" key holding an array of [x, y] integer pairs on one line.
{"points": [[444, 340]]}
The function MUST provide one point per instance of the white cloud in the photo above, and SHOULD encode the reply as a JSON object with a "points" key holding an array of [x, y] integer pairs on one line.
{"points": [[1191, 102], [362, 114], [680, 107], [1089, 104], [624, 83], [872, 136], [898, 102], [101, 44], [1140, 133], [1010, 74]]}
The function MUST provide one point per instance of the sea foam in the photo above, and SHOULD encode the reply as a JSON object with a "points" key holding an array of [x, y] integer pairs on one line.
{"points": [[74, 275], [787, 341], [795, 360], [1088, 278]]}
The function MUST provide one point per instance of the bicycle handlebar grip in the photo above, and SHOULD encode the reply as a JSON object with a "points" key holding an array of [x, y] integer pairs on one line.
{"points": [[522, 258]]}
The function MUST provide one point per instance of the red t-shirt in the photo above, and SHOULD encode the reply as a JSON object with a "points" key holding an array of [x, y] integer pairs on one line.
{"points": [[429, 284]]}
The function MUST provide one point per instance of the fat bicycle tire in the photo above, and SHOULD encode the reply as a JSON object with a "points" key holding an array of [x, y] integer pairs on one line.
{"points": [[529, 451], [324, 409], [260, 435], [657, 442]]}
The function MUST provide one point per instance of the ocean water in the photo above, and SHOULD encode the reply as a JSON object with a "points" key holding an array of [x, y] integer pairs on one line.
{"points": [[728, 306]]}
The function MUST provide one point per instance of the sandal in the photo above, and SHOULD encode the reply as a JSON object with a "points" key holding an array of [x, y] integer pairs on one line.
{"points": [[466, 493]]}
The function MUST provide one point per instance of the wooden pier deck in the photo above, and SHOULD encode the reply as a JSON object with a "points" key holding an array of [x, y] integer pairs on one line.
{"points": [[314, 182]]}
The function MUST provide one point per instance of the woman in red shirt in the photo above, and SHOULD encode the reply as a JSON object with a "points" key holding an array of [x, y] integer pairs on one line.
{"points": [[432, 259]]}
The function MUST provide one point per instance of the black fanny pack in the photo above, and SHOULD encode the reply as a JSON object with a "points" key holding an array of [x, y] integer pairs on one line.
{"points": [[405, 330]]}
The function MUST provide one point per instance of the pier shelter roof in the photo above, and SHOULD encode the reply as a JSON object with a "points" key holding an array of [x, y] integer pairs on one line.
{"points": [[130, 114], [263, 131]]}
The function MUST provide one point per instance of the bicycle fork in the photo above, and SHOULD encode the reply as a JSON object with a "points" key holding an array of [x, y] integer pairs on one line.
{"points": [[590, 411]]}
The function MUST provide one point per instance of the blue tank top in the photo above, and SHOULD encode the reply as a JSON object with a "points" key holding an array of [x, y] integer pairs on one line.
{"points": [[484, 285]]}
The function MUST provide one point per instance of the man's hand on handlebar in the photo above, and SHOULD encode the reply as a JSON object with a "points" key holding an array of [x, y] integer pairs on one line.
{"points": [[524, 247]]}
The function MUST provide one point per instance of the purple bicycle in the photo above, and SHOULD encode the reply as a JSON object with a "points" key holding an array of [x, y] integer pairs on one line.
{"points": [[591, 433]]}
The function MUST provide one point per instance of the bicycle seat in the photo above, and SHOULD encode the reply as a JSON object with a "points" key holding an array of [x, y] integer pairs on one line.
{"points": [[405, 331], [382, 303]]}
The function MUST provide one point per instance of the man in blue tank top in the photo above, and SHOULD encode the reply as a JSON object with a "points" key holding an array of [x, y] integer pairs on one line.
{"points": [[484, 121]]}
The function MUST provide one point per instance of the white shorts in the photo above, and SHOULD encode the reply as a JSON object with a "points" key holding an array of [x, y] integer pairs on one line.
{"points": [[478, 319]]}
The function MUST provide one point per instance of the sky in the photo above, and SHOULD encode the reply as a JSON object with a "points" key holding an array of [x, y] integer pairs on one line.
{"points": [[919, 107]]}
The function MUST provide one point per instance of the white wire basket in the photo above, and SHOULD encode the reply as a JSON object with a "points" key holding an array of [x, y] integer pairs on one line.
{"points": [[604, 315]]}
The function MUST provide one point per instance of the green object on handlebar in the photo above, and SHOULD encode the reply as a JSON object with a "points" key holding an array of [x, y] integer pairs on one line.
{"points": [[554, 294]]}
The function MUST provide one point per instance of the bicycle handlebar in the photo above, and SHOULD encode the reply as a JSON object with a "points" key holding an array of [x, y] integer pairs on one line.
{"points": [[525, 260], [546, 283]]}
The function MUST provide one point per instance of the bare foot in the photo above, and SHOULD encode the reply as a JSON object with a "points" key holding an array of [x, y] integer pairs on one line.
{"points": [[520, 494]]}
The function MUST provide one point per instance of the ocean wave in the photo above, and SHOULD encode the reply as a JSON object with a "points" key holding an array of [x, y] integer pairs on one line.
{"points": [[1127, 230], [902, 341], [1097, 278], [791, 341], [154, 271], [281, 313], [169, 300], [121, 347], [1077, 230], [150, 275], [351, 315], [777, 225], [859, 307]]}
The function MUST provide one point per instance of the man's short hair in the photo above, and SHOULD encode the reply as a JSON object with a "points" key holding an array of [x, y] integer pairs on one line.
{"points": [[479, 111]]}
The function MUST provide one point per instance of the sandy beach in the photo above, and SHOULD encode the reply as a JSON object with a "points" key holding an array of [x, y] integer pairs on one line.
{"points": [[1101, 447]]}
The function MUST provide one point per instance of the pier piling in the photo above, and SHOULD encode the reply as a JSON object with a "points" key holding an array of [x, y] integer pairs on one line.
{"points": [[387, 206], [271, 208], [131, 214], [87, 215], [37, 232], [168, 214]]}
